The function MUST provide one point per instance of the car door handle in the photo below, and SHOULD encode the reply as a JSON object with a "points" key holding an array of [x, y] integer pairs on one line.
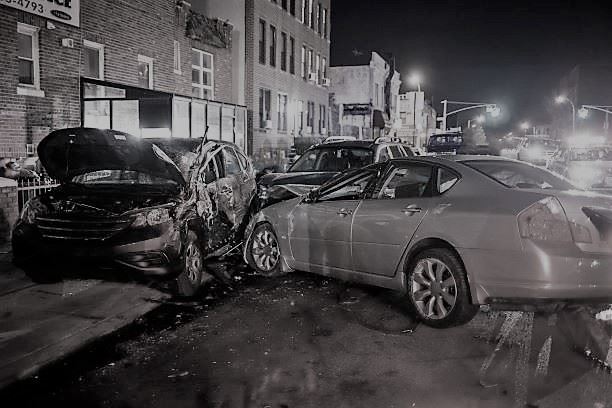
{"points": [[411, 209], [344, 212]]}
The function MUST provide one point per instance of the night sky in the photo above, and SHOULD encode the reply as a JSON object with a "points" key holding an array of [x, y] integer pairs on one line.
{"points": [[509, 52]]}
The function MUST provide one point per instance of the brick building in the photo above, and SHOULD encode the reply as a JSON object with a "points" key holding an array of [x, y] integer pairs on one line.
{"points": [[150, 67], [287, 59]]}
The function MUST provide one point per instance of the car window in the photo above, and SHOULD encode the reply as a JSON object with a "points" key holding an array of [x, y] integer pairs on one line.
{"points": [[446, 180], [406, 182], [232, 166], [210, 172], [396, 152], [514, 174], [219, 163], [351, 187], [383, 155]]}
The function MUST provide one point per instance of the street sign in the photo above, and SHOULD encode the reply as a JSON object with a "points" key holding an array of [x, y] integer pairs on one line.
{"points": [[65, 11]]}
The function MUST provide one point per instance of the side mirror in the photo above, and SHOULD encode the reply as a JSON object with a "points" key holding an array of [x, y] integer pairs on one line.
{"points": [[311, 197]]}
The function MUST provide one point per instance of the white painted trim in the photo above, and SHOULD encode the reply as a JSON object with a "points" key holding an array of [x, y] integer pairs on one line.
{"points": [[210, 70], [100, 48], [30, 91], [6, 182], [150, 61], [32, 31], [177, 57]]}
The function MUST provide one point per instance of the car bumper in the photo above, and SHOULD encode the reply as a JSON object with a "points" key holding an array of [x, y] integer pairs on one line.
{"points": [[157, 256], [539, 275]]}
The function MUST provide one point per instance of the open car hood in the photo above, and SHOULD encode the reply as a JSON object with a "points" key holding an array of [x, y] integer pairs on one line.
{"points": [[67, 153]]}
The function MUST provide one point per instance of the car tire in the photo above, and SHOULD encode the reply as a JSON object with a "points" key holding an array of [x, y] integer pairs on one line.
{"points": [[189, 281], [263, 251], [438, 290]]}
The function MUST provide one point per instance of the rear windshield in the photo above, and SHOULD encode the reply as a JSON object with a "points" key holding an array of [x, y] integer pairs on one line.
{"points": [[520, 175], [333, 159]]}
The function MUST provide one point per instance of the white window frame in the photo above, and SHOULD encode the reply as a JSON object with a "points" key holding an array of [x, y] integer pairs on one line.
{"points": [[100, 48], [177, 57], [148, 60], [31, 89], [280, 127], [202, 70]]}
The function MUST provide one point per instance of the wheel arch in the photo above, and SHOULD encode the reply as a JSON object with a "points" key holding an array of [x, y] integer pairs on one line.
{"points": [[430, 243]]}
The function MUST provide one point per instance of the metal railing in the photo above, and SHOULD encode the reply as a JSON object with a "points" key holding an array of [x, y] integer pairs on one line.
{"points": [[30, 188]]}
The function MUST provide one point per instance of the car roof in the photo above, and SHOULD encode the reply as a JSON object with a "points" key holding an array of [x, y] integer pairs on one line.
{"points": [[355, 144], [450, 159]]}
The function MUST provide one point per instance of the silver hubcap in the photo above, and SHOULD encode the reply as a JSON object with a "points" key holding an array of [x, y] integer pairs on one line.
{"points": [[193, 261], [434, 289], [265, 250]]}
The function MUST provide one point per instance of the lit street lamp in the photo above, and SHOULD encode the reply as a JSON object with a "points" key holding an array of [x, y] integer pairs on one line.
{"points": [[525, 126], [415, 80], [561, 99]]}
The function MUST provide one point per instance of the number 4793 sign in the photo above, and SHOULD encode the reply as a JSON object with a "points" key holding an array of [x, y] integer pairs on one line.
{"points": [[66, 11]]}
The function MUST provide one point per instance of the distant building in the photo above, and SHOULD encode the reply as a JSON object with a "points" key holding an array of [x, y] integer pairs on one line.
{"points": [[417, 118], [286, 88], [365, 97], [584, 85], [151, 68]]}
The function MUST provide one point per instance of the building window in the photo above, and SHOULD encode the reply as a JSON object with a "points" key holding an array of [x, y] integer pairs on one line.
{"points": [[262, 42], [304, 16], [300, 113], [282, 112], [283, 64], [284, 5], [324, 31], [311, 21], [29, 70], [272, 46], [375, 94], [318, 68], [292, 55], [292, 7], [93, 55], [202, 74], [304, 70], [264, 108], [145, 72], [310, 62], [322, 119], [177, 57], [318, 22], [310, 116], [324, 67]]}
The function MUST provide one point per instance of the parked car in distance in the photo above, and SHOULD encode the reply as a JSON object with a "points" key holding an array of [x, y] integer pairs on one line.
{"points": [[444, 143], [537, 150], [588, 165], [322, 162], [452, 233], [152, 207]]}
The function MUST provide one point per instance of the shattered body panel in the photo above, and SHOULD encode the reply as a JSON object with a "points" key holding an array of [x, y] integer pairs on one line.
{"points": [[130, 219]]}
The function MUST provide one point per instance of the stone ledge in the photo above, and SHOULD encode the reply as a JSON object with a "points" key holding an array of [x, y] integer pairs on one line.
{"points": [[6, 182]]}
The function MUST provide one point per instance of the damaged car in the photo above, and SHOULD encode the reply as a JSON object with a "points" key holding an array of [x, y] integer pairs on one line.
{"points": [[149, 207], [322, 162], [451, 233]]}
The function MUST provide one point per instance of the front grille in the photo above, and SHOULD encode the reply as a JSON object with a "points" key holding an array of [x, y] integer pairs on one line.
{"points": [[81, 229]]}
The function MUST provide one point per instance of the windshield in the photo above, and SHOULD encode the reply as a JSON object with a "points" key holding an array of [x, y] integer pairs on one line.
{"points": [[520, 175], [121, 177], [333, 159], [591, 154]]}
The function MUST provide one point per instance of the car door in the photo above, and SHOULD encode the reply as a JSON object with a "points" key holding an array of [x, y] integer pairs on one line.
{"points": [[384, 224], [320, 229], [248, 186]]}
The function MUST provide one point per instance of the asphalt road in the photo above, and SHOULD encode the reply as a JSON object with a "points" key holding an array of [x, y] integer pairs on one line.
{"points": [[307, 341]]}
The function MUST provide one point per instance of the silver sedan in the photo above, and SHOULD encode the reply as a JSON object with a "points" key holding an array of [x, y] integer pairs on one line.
{"points": [[452, 233]]}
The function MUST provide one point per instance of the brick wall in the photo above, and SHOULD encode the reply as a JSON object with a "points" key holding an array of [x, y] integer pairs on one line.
{"points": [[271, 146], [126, 29], [8, 208]]}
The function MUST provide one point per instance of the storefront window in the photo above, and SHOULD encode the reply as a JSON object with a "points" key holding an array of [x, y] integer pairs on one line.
{"points": [[227, 124], [198, 119], [214, 121]]}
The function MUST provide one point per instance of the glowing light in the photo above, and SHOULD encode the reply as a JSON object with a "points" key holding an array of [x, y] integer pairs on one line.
{"points": [[525, 125], [560, 99], [583, 113]]}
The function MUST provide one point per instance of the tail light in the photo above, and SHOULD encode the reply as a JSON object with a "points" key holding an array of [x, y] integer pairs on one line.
{"points": [[545, 221]]}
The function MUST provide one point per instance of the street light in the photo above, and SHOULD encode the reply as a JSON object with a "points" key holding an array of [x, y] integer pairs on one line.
{"points": [[525, 126], [583, 113], [481, 119], [491, 108], [415, 80], [561, 99]]}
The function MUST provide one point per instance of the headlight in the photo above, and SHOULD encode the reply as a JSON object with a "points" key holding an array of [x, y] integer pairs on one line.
{"points": [[152, 217], [263, 193], [584, 176]]}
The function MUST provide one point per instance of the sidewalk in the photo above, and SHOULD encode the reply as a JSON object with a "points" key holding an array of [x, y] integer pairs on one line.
{"points": [[41, 324]]}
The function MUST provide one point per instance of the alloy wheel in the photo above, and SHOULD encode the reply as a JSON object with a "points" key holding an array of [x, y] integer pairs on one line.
{"points": [[193, 262], [265, 250], [433, 289]]}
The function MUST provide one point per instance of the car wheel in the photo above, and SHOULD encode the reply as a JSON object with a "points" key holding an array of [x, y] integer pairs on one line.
{"points": [[438, 289], [190, 279], [264, 251]]}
